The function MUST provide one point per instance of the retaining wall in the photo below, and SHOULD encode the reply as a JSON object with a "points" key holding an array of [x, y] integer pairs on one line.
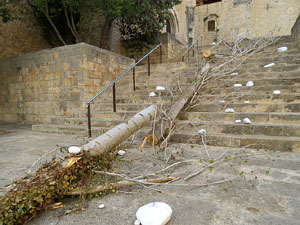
{"points": [[55, 83]]}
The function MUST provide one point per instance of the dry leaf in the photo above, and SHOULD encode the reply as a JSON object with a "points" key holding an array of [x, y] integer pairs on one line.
{"points": [[72, 161]]}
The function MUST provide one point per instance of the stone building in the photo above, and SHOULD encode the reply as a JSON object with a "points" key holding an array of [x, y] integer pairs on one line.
{"points": [[212, 19], [232, 19]]}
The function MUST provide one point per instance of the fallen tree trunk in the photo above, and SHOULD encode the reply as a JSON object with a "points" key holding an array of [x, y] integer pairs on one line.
{"points": [[166, 122], [56, 179], [118, 134]]}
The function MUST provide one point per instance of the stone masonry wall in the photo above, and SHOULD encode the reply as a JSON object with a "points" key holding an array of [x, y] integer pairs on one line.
{"points": [[171, 51], [296, 32], [36, 87], [247, 19]]}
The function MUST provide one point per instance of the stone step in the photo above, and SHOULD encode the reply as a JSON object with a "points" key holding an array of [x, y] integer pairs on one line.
{"points": [[286, 144], [288, 68], [274, 59], [145, 93], [275, 55], [68, 129], [263, 75], [255, 117], [285, 89], [214, 127], [96, 108], [279, 63], [78, 130], [173, 66], [253, 98], [258, 82], [134, 99], [166, 74], [98, 122], [249, 108]]}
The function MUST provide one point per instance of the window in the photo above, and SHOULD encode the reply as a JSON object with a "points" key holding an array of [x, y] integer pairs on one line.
{"points": [[211, 25], [205, 2]]}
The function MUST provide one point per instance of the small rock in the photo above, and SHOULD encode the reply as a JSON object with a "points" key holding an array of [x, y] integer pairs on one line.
{"points": [[137, 222], [160, 88], [155, 213], [282, 49], [205, 68], [229, 110], [202, 131], [121, 152], [246, 102], [101, 206], [246, 121], [270, 65], [250, 84], [277, 92], [74, 150], [238, 121], [152, 94], [238, 85], [234, 74]]}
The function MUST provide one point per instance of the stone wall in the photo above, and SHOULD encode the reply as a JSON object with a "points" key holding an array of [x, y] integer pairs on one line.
{"points": [[247, 18], [296, 32], [172, 50], [55, 83]]}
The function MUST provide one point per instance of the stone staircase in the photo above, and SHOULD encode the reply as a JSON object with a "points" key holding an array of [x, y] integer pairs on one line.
{"points": [[172, 76], [275, 118]]}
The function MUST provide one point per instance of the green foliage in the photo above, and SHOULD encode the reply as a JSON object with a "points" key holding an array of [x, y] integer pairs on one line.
{"points": [[141, 21], [144, 20], [7, 9], [52, 181], [5, 13]]}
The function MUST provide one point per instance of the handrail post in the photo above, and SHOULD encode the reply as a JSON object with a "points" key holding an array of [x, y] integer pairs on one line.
{"points": [[188, 55], [114, 98], [133, 78], [149, 65], [89, 120], [183, 58], [160, 52]]}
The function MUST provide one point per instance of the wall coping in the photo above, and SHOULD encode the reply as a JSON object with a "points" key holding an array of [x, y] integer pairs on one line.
{"points": [[79, 46]]}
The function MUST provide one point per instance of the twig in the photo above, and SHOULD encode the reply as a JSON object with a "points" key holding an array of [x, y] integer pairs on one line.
{"points": [[120, 184]]}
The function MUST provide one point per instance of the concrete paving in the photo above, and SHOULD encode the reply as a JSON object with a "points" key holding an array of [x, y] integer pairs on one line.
{"points": [[269, 193], [20, 147]]}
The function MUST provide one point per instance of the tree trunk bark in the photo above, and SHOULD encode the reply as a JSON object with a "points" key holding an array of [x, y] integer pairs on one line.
{"points": [[105, 33], [46, 13], [118, 134], [166, 123]]}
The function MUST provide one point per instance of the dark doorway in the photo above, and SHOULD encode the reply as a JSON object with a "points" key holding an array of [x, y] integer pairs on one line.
{"points": [[205, 2], [211, 25], [168, 27]]}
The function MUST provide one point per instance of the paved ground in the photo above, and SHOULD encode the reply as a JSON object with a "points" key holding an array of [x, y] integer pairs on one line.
{"points": [[268, 195], [20, 147]]}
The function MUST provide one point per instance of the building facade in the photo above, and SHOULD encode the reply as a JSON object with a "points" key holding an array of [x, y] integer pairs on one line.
{"points": [[251, 19]]}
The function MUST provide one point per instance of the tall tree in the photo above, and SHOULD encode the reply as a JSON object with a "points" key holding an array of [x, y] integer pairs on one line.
{"points": [[139, 20], [143, 22]]}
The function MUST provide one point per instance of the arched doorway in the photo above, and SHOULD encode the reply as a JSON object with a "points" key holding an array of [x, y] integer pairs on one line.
{"points": [[172, 24]]}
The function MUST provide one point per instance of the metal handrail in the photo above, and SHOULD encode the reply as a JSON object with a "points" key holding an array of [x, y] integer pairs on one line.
{"points": [[119, 77], [114, 86], [192, 45]]}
